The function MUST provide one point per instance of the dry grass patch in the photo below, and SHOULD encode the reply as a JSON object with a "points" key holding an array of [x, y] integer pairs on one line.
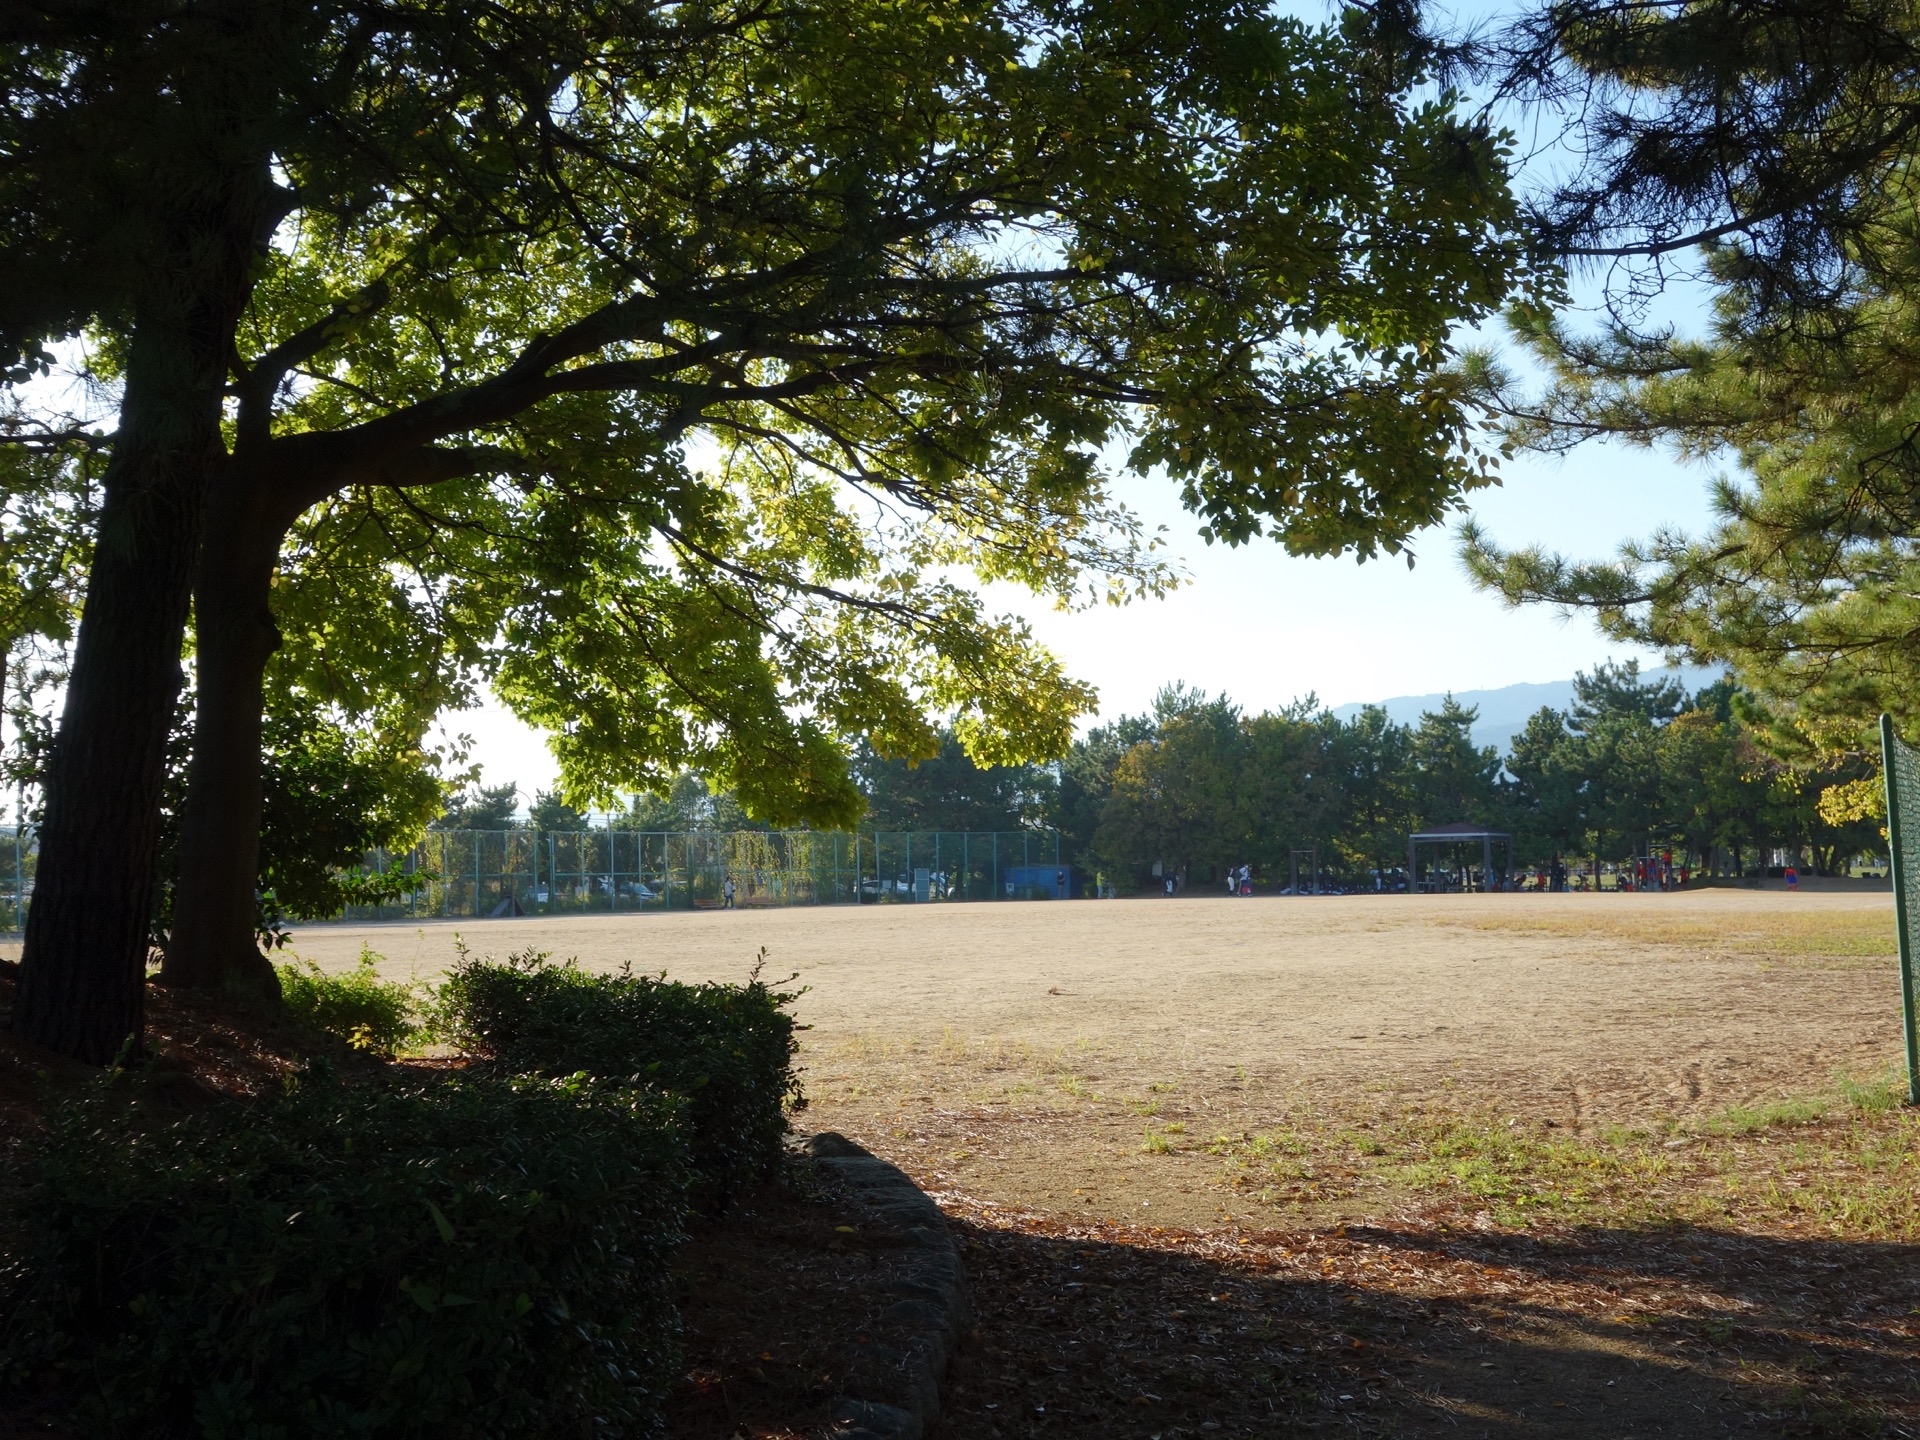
{"points": [[1761, 935], [1844, 1164]]}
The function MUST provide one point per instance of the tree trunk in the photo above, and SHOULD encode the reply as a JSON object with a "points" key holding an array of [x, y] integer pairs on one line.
{"points": [[83, 968], [213, 939]]}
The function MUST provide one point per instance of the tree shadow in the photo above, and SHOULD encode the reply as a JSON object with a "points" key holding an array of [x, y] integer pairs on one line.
{"points": [[1092, 1331]]}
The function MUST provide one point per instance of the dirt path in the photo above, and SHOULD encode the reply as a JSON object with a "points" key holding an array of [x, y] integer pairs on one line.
{"points": [[1420, 1330]]}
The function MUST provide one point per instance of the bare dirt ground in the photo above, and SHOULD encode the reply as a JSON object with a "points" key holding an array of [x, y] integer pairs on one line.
{"points": [[1500, 1165], [1230, 1016]]}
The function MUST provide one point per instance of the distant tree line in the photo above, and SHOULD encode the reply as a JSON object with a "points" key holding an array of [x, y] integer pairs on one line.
{"points": [[1632, 767], [1196, 785]]}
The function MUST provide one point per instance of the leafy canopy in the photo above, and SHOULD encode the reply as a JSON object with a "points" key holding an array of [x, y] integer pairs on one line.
{"points": [[1777, 143], [674, 369]]}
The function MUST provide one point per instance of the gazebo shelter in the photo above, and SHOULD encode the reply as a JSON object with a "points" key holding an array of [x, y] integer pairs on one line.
{"points": [[1461, 832]]}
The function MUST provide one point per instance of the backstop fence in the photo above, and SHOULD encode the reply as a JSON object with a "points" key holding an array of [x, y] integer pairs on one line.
{"points": [[505, 872], [19, 855], [480, 873]]}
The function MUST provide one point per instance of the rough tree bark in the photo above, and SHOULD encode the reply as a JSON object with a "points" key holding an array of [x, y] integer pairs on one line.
{"points": [[269, 483], [83, 968], [212, 941]]}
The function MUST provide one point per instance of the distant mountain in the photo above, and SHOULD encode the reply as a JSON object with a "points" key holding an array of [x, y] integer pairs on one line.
{"points": [[1504, 712]]}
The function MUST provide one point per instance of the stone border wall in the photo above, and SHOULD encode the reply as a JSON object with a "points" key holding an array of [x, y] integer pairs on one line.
{"points": [[893, 1383]]}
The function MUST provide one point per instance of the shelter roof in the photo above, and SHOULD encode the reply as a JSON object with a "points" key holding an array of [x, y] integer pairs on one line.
{"points": [[1460, 830]]}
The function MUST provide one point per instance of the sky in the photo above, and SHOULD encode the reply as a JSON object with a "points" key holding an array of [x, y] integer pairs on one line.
{"points": [[1264, 627]]}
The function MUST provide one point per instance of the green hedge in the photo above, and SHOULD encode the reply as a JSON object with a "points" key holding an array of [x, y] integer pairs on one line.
{"points": [[357, 1006], [470, 1257], [727, 1048]]}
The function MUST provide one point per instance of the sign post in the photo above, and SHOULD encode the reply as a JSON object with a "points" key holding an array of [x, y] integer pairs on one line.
{"points": [[1902, 764]]}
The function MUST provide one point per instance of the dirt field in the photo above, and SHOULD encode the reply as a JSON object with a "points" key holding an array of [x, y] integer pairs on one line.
{"points": [[1583, 1166], [1230, 1015]]}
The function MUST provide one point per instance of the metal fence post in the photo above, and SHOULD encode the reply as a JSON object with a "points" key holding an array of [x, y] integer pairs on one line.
{"points": [[1897, 765]]}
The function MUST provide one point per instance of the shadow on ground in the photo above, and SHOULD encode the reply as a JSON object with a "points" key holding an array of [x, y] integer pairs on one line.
{"points": [[1092, 1331]]}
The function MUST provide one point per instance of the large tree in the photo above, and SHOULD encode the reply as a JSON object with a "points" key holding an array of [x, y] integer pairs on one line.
{"points": [[1547, 800], [1086, 782], [948, 791], [1770, 147], [1774, 128], [1179, 799], [136, 193], [1373, 761], [672, 357], [1292, 783], [1457, 780]]}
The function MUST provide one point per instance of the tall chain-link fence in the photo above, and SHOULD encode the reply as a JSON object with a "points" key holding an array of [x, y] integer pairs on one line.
{"points": [[496, 873], [482, 873], [19, 856]]}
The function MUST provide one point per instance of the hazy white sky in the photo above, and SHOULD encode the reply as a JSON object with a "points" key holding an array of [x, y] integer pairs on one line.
{"points": [[1265, 627]]}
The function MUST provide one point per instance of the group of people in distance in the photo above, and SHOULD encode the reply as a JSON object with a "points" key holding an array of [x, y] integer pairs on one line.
{"points": [[1654, 872], [1553, 879], [1649, 872]]}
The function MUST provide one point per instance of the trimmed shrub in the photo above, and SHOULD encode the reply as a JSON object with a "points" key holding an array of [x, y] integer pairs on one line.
{"points": [[367, 1012], [728, 1049], [471, 1257]]}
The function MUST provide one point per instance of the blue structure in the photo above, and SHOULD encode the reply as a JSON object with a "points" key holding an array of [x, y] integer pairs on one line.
{"points": [[1039, 882]]}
